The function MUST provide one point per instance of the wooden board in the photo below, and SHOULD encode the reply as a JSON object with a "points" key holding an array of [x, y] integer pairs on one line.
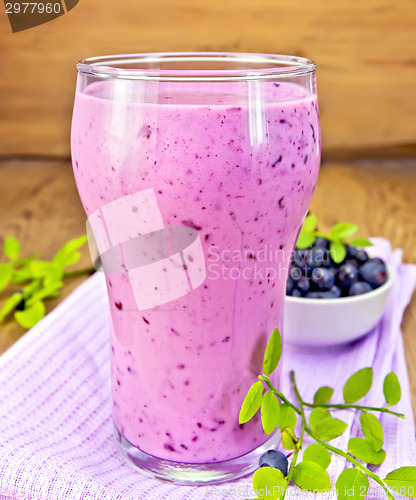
{"points": [[40, 205], [365, 51]]}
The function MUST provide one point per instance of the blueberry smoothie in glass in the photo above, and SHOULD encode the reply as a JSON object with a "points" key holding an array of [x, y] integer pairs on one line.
{"points": [[197, 170]]}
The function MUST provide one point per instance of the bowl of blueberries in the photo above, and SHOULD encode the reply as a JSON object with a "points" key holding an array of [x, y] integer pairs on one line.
{"points": [[336, 292]]}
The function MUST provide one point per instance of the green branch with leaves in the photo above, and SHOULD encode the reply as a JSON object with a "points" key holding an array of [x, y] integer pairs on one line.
{"points": [[338, 237], [310, 474], [32, 280]]}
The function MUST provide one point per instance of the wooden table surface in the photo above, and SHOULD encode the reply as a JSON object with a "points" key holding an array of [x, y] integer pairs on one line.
{"points": [[39, 204]]}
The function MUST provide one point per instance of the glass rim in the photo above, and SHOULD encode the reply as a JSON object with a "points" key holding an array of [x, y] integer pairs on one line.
{"points": [[280, 66]]}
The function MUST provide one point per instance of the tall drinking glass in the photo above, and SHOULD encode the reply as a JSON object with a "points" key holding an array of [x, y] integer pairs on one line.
{"points": [[195, 171]]}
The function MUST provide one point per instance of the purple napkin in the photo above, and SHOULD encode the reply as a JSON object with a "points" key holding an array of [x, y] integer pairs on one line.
{"points": [[56, 437]]}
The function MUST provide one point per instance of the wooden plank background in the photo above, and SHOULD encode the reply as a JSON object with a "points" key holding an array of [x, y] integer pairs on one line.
{"points": [[365, 49]]}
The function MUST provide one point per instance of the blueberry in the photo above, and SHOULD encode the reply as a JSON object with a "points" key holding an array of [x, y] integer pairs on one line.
{"points": [[361, 255], [299, 258], [323, 278], [357, 254], [335, 292], [303, 284], [295, 273], [319, 257], [303, 260], [353, 262], [274, 459], [360, 287], [374, 272], [321, 243], [351, 251], [289, 286], [347, 275], [314, 295], [296, 293]]}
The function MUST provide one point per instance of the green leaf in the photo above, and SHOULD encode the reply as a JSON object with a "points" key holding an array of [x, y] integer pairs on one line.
{"points": [[64, 254], [357, 386], [10, 305], [11, 247], [40, 268], [391, 389], [32, 287], [372, 430], [44, 293], [6, 273], [343, 230], [403, 481], [309, 224], [29, 317], [251, 403], [352, 484], [288, 439], [361, 242], [361, 449], [71, 259], [311, 476], [287, 417], [305, 240], [21, 275], [54, 275], [269, 483], [337, 251], [324, 426], [317, 415], [273, 352], [323, 395], [317, 453], [269, 412]]}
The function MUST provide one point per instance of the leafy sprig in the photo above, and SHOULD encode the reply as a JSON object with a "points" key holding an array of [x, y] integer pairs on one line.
{"points": [[310, 473], [33, 280], [338, 237]]}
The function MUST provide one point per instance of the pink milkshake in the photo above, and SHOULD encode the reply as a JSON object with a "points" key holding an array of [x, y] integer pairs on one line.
{"points": [[235, 164]]}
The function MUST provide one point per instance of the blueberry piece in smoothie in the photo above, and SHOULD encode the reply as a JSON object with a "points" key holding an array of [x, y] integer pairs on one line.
{"points": [[192, 224], [279, 159]]}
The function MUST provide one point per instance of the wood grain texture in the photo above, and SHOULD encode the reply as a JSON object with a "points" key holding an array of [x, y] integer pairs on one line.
{"points": [[39, 204], [365, 51]]}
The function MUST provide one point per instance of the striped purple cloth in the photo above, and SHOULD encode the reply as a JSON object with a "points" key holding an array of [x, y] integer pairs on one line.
{"points": [[56, 436]]}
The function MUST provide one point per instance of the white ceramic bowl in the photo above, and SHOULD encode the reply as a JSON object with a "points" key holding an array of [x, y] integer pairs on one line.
{"points": [[330, 322]]}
